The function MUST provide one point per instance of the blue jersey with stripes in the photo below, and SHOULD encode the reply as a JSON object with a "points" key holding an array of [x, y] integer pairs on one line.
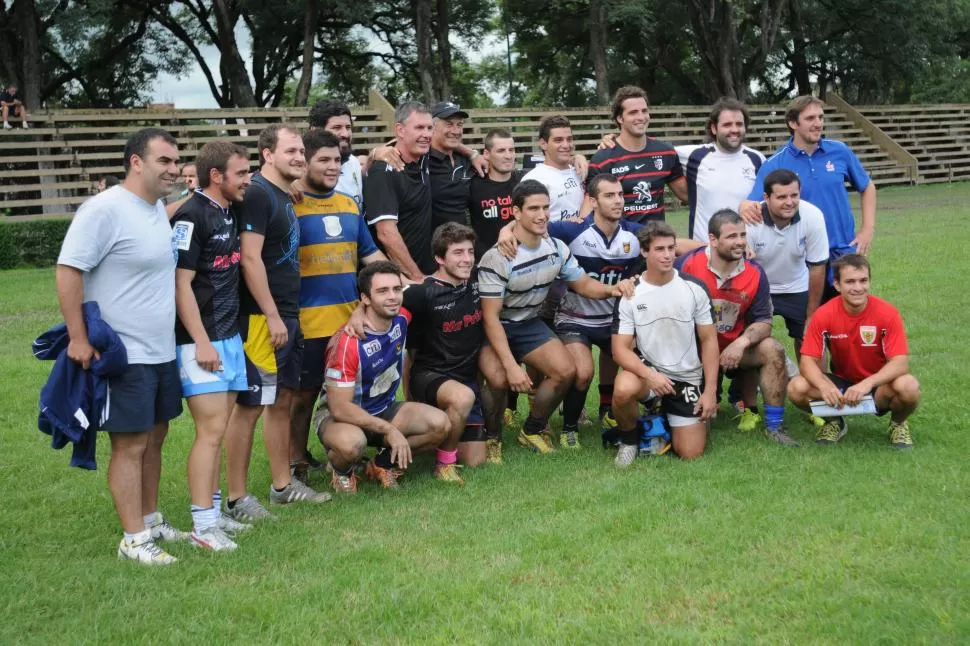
{"points": [[372, 366], [608, 260], [333, 239]]}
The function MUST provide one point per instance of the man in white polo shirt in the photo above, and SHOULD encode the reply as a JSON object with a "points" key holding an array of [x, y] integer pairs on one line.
{"points": [[792, 247], [556, 172]]}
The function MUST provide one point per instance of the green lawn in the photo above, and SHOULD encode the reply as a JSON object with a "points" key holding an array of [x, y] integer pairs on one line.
{"points": [[753, 543]]}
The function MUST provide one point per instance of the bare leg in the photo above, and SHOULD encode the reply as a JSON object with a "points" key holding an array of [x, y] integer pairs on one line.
{"points": [[211, 414], [554, 362], [125, 478], [344, 443], [239, 447], [276, 436], [689, 441], [151, 470], [902, 396], [301, 412]]}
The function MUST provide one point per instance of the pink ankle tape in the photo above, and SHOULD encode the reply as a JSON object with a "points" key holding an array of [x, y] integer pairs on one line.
{"points": [[447, 457]]}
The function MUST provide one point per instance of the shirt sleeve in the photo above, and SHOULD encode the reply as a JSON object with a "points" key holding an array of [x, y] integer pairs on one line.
{"points": [[703, 308], [683, 153], [565, 231], [190, 239], [623, 322], [493, 275], [88, 240], [894, 344], [758, 190], [570, 269], [676, 171], [365, 241], [858, 176], [343, 362], [415, 304], [761, 310], [380, 198], [816, 238], [256, 210], [813, 343]]}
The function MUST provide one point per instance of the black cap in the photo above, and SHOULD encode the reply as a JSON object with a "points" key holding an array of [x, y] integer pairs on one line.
{"points": [[447, 110]]}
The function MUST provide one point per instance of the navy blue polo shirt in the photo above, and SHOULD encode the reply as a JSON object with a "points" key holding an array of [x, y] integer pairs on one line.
{"points": [[823, 176]]}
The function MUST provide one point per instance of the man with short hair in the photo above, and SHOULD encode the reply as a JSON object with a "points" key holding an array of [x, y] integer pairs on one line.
{"points": [[209, 349], [398, 203], [269, 326], [865, 337], [490, 197], [189, 177], [363, 376], [334, 240], [335, 116], [512, 292], [792, 247], [740, 294], [447, 335], [450, 168], [666, 343], [824, 166], [720, 173], [119, 252], [10, 103], [556, 172], [643, 164], [606, 247]]}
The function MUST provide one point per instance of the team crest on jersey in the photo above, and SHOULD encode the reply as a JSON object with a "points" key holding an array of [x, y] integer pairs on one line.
{"points": [[868, 334], [372, 347], [626, 247], [642, 191], [331, 224], [658, 162]]}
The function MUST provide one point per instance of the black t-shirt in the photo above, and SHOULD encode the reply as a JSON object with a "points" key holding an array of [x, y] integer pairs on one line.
{"points": [[207, 239], [404, 197], [6, 97], [446, 327], [449, 187], [643, 175], [268, 211], [490, 208]]}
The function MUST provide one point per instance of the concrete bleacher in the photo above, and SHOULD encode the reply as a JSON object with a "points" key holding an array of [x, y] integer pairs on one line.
{"points": [[53, 167]]}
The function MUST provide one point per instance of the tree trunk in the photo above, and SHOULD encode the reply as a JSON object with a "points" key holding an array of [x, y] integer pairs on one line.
{"points": [[231, 64], [597, 50], [798, 60], [27, 23], [442, 34], [311, 20], [422, 28]]}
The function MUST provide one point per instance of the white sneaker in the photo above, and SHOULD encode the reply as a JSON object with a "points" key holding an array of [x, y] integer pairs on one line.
{"points": [[146, 552], [7, 126], [626, 454], [213, 538], [25, 125], [230, 525], [164, 531]]}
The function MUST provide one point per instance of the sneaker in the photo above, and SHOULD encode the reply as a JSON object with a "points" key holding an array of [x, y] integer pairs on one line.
{"points": [[493, 451], [25, 125], [230, 526], [816, 421], [449, 473], [626, 454], [387, 477], [214, 539], [899, 435], [248, 509], [780, 436], [510, 418], [608, 431], [296, 491], [146, 552], [7, 126], [537, 443], [549, 435], [832, 431], [748, 420], [344, 484], [570, 439], [164, 531]]}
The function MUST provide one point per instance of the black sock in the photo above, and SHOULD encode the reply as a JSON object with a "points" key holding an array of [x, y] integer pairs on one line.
{"points": [[572, 406], [383, 459], [630, 437], [534, 425], [231, 503], [512, 403]]}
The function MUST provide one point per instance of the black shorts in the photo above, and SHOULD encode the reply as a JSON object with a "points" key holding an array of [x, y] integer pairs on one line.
{"points": [[792, 308], [679, 407], [376, 439], [313, 364], [269, 368], [845, 384], [601, 336], [424, 388], [142, 396]]}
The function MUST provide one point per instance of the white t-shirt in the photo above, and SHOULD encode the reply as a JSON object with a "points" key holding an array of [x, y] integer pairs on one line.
{"points": [[127, 251], [663, 320], [565, 190], [785, 254], [716, 180], [351, 180]]}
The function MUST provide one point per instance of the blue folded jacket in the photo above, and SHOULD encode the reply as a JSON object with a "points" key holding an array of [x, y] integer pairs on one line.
{"points": [[74, 401]]}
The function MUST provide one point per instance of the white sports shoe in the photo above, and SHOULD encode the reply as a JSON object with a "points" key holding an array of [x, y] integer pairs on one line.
{"points": [[164, 531], [626, 454], [231, 526], [7, 126], [145, 552], [213, 538]]}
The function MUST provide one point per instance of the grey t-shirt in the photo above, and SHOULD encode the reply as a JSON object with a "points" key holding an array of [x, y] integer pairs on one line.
{"points": [[125, 248]]}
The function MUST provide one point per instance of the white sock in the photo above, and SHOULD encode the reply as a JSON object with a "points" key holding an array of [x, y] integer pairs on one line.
{"points": [[6, 123], [201, 518], [138, 537], [153, 518]]}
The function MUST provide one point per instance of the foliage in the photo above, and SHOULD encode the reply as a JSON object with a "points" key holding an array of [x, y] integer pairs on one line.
{"points": [[32, 243]]}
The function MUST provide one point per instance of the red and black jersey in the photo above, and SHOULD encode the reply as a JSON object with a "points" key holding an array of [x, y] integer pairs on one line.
{"points": [[644, 175], [446, 326]]}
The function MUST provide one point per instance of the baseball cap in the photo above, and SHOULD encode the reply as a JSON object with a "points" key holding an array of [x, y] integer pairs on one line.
{"points": [[446, 110]]}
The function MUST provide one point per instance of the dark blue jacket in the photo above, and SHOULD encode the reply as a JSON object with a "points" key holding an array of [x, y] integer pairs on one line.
{"points": [[72, 402]]}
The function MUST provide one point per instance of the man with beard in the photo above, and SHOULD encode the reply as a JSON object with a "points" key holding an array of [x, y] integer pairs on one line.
{"points": [[556, 172], [741, 297], [270, 326], [333, 240], [490, 198], [118, 252], [210, 351], [721, 173], [334, 116]]}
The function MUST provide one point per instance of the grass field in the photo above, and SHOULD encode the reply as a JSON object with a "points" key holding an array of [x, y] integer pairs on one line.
{"points": [[753, 543]]}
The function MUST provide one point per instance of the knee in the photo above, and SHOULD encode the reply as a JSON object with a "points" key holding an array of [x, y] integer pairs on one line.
{"points": [[689, 449], [771, 351], [349, 446], [626, 388], [907, 389], [463, 403], [583, 378], [496, 380], [564, 375], [439, 425], [798, 389]]}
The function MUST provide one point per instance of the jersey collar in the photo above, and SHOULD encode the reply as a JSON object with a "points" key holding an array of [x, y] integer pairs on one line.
{"points": [[796, 151], [771, 223], [222, 209], [723, 279]]}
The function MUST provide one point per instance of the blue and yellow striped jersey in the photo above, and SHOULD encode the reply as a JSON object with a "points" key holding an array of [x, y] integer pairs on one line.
{"points": [[333, 237]]}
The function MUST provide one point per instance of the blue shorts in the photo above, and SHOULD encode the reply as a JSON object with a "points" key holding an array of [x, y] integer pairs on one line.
{"points": [[792, 308], [600, 336], [526, 336], [269, 368], [141, 397], [197, 381]]}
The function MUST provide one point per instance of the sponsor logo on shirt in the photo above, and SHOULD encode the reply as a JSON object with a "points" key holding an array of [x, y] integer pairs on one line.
{"points": [[372, 347], [639, 166], [182, 234], [395, 332], [829, 166], [500, 207], [459, 324], [868, 334], [641, 307], [621, 169], [444, 306], [642, 191]]}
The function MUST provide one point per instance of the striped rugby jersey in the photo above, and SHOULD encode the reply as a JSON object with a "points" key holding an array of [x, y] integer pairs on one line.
{"points": [[333, 237], [524, 281]]}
